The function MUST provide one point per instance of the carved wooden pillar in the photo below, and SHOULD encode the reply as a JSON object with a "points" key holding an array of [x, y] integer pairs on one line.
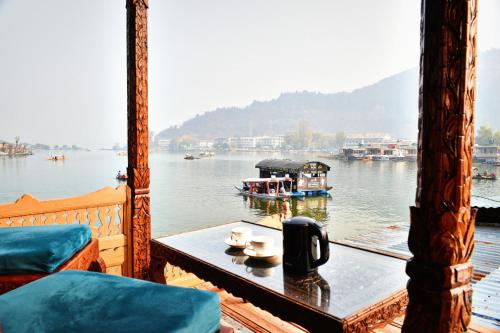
{"points": [[442, 223], [137, 115]]}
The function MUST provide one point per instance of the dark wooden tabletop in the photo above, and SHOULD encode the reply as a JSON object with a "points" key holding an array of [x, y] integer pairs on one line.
{"points": [[346, 289]]}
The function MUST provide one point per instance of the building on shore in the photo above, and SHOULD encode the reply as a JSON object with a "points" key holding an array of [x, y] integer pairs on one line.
{"points": [[15, 149], [164, 144], [256, 142], [487, 154], [356, 139], [392, 150]]}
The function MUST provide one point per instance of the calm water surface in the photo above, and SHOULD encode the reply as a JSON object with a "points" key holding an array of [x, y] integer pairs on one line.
{"points": [[187, 195]]}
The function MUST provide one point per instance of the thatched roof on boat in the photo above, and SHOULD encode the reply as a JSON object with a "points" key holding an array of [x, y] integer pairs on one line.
{"points": [[291, 166]]}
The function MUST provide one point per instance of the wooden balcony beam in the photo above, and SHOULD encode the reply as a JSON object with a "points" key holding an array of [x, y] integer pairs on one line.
{"points": [[137, 117], [441, 234]]}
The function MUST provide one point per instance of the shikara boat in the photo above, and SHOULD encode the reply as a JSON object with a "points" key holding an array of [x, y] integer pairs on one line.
{"points": [[269, 188], [122, 177], [309, 177], [57, 158], [485, 175]]}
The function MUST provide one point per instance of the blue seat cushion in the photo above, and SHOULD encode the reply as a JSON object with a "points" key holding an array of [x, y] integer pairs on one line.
{"points": [[42, 249], [78, 301]]}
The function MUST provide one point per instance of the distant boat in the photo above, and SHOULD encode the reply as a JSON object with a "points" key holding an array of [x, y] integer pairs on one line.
{"points": [[380, 158], [122, 177], [122, 153], [57, 158], [3, 154], [206, 154], [484, 175], [190, 157]]}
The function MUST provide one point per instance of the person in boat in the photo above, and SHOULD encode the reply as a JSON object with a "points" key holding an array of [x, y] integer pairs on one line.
{"points": [[282, 189], [119, 175]]}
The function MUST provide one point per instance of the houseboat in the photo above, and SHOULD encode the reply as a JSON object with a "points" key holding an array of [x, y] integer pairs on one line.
{"points": [[354, 154], [269, 188], [309, 177]]}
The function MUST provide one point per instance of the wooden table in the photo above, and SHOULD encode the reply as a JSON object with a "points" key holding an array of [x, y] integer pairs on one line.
{"points": [[353, 292]]}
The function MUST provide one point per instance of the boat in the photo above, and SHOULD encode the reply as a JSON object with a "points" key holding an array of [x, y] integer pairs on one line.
{"points": [[355, 157], [3, 153], [122, 153], [380, 158], [309, 177], [190, 157], [485, 175], [122, 177], [269, 188], [206, 154], [57, 158]]}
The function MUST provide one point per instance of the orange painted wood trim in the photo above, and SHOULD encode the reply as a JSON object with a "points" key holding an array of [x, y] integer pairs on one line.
{"points": [[28, 205]]}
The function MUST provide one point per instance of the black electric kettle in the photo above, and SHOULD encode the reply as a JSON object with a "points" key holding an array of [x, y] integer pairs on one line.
{"points": [[300, 239]]}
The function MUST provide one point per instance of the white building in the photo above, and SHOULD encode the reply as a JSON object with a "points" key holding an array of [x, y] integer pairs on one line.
{"points": [[164, 144], [205, 144], [487, 153], [356, 139], [243, 142], [270, 142]]}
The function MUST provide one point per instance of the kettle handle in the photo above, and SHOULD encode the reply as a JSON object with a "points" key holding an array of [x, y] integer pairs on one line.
{"points": [[324, 245]]}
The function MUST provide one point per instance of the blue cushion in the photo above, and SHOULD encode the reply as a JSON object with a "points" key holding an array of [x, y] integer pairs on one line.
{"points": [[25, 250], [77, 301]]}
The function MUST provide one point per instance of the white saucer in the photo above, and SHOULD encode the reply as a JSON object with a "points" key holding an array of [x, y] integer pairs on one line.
{"points": [[274, 252], [232, 243]]}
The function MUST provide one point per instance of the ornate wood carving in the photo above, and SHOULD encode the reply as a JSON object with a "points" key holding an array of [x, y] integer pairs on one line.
{"points": [[98, 266], [137, 114], [372, 318], [158, 263], [442, 222]]}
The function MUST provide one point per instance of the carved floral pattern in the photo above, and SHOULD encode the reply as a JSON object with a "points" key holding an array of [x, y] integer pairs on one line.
{"points": [[442, 222], [378, 317], [137, 112]]}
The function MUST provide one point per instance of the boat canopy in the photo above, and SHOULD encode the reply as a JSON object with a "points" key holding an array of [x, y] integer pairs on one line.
{"points": [[265, 180], [290, 166]]}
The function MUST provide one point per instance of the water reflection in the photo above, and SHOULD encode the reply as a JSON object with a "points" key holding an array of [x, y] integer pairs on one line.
{"points": [[237, 255], [313, 207], [314, 289], [262, 268], [258, 267]]}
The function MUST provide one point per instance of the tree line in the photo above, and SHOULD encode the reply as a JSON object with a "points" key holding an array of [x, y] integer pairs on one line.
{"points": [[486, 136]]}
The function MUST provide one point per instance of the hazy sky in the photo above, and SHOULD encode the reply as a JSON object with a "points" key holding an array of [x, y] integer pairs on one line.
{"points": [[63, 63]]}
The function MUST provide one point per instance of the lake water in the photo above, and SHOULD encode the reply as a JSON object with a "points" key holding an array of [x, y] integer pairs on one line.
{"points": [[186, 195]]}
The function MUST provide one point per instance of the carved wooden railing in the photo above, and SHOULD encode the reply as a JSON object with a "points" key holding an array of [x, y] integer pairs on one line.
{"points": [[106, 212]]}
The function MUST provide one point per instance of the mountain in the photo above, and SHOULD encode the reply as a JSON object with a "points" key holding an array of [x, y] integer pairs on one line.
{"points": [[390, 105]]}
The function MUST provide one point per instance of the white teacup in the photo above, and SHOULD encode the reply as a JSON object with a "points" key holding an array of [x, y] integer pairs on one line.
{"points": [[260, 272], [262, 245], [240, 235]]}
